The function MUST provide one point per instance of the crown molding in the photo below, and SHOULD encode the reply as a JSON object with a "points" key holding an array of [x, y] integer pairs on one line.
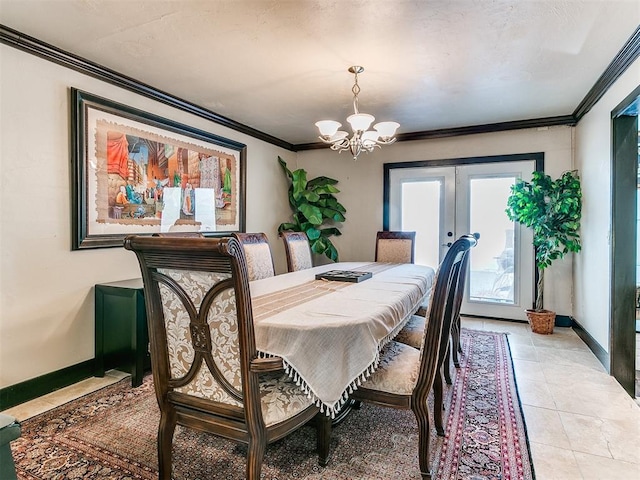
{"points": [[41, 49], [470, 130], [627, 55]]}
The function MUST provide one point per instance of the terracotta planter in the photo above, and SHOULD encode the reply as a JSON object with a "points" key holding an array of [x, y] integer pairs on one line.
{"points": [[541, 322]]}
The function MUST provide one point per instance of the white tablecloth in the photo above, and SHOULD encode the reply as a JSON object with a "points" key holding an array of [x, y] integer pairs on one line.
{"points": [[329, 334]]}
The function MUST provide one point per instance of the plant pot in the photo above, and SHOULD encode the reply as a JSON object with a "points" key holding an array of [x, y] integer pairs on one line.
{"points": [[541, 321]]}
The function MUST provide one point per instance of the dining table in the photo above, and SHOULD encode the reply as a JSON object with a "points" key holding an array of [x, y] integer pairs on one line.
{"points": [[329, 332]]}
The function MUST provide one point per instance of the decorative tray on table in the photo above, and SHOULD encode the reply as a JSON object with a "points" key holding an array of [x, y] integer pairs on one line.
{"points": [[344, 276]]}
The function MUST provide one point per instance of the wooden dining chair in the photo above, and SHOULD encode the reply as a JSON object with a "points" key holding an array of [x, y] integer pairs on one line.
{"points": [[413, 334], [258, 255], [395, 247], [296, 247], [206, 371], [406, 375]]}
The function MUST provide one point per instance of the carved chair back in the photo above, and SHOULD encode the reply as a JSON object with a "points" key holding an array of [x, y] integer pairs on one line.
{"points": [[296, 247], [446, 296], [395, 247], [258, 255], [200, 321], [206, 369]]}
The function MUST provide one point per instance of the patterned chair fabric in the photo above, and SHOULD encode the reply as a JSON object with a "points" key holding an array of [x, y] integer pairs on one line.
{"points": [[207, 371], [296, 246], [412, 333], [406, 375], [285, 399], [258, 255], [395, 247]]}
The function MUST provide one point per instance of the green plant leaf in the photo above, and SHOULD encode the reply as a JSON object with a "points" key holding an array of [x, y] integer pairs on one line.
{"points": [[312, 213], [283, 164], [291, 227], [313, 203], [332, 214], [331, 231], [320, 181], [311, 196], [326, 189], [299, 183], [552, 209], [313, 233]]}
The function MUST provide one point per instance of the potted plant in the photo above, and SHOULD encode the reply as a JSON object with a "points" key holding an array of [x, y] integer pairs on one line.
{"points": [[315, 209], [552, 209]]}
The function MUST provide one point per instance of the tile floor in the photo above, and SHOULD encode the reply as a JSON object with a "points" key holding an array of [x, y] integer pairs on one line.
{"points": [[581, 423]]}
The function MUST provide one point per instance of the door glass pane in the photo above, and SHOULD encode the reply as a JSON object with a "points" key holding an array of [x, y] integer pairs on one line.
{"points": [[491, 269], [421, 213]]}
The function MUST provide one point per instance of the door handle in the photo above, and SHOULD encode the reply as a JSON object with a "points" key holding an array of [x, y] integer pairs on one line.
{"points": [[448, 244]]}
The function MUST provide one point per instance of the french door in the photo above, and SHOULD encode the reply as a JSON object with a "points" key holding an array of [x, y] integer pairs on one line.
{"points": [[443, 202]]}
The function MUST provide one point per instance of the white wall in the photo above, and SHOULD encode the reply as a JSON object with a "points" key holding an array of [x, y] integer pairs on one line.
{"points": [[46, 290], [593, 158], [361, 185]]}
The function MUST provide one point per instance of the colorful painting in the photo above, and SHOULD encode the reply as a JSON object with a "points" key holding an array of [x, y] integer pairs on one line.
{"points": [[136, 173]]}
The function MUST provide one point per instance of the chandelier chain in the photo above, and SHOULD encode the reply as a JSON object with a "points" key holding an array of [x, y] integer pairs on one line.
{"points": [[356, 90]]}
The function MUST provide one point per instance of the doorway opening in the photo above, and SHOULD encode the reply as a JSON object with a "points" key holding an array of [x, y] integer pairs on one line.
{"points": [[624, 246], [443, 199]]}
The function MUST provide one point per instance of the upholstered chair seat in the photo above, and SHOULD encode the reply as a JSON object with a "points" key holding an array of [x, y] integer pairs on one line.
{"points": [[398, 370], [413, 332], [281, 398]]}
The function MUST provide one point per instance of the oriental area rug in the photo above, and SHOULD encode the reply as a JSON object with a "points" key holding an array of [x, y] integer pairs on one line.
{"points": [[111, 434]]}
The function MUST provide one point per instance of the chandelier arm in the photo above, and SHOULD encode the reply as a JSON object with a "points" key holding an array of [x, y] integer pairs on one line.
{"points": [[362, 139], [386, 142], [333, 142]]}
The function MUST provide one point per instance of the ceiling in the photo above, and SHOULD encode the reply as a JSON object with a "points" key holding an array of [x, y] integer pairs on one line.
{"points": [[279, 66]]}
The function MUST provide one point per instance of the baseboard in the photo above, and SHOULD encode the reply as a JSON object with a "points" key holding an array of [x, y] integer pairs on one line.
{"points": [[36, 387], [561, 320], [601, 354]]}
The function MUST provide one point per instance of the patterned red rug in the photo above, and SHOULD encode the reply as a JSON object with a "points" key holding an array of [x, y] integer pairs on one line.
{"points": [[111, 434]]}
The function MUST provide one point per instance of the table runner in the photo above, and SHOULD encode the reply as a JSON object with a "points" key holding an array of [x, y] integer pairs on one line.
{"points": [[329, 334]]}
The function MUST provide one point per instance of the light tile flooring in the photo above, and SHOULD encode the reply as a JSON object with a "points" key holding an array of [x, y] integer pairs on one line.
{"points": [[581, 423]]}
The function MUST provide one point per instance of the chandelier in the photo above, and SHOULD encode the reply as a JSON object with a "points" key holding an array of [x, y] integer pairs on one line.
{"points": [[362, 138]]}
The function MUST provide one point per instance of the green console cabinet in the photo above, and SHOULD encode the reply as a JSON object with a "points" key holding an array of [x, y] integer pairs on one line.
{"points": [[121, 329]]}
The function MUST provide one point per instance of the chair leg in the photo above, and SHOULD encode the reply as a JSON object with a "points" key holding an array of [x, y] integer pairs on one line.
{"points": [[446, 365], [455, 336], [422, 417], [165, 439], [255, 455], [438, 404], [323, 425]]}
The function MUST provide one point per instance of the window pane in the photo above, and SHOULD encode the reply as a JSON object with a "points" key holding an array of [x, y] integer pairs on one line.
{"points": [[421, 213], [491, 268]]}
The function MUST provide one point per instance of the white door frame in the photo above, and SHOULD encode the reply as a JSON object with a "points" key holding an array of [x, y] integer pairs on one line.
{"points": [[461, 224]]}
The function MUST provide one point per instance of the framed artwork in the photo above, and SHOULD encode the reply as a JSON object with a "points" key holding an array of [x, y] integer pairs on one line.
{"points": [[138, 173]]}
